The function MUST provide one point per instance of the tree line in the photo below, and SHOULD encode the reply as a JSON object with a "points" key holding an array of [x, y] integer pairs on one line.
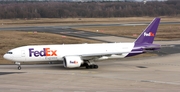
{"points": [[9, 10]]}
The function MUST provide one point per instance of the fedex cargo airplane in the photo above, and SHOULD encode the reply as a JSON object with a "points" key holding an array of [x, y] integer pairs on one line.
{"points": [[84, 55]]}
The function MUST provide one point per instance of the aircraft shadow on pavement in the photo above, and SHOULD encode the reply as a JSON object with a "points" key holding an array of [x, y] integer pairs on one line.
{"points": [[5, 73]]}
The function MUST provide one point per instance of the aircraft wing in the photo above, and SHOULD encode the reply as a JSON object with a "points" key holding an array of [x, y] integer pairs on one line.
{"points": [[98, 55]]}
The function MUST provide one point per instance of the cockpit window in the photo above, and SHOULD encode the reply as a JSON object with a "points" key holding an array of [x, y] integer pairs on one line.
{"points": [[9, 53]]}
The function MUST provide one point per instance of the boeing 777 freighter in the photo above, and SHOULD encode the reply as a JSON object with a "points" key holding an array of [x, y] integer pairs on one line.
{"points": [[79, 55]]}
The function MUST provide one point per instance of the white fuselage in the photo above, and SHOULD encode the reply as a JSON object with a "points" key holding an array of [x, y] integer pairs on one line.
{"points": [[57, 52], [80, 55]]}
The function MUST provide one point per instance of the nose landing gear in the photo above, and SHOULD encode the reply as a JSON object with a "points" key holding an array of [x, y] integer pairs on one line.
{"points": [[19, 65]]}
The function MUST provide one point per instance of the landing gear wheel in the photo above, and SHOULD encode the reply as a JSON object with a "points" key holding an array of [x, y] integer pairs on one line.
{"points": [[87, 66], [19, 67], [96, 66], [91, 66]]}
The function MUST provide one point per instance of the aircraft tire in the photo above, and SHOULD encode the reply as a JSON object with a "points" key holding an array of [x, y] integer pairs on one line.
{"points": [[87, 66], [19, 67], [91, 66], [96, 66]]}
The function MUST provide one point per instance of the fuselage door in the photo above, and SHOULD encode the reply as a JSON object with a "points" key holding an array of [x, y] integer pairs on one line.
{"points": [[22, 53]]}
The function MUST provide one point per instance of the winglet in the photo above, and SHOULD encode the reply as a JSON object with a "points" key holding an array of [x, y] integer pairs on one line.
{"points": [[147, 36]]}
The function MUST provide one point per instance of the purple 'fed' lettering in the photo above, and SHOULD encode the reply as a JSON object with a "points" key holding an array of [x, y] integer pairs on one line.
{"points": [[44, 52]]}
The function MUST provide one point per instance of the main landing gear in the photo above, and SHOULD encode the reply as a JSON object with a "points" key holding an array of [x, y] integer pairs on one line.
{"points": [[19, 65], [90, 65], [93, 66]]}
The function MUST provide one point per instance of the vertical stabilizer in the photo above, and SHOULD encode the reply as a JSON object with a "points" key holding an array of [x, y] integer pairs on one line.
{"points": [[147, 36]]}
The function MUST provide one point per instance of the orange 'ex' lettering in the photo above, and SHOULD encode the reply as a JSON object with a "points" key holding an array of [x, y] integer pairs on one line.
{"points": [[47, 51]]}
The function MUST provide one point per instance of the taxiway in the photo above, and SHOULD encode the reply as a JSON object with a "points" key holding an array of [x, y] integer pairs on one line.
{"points": [[147, 74], [150, 74]]}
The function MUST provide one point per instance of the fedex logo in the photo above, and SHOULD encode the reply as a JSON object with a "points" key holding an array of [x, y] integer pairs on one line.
{"points": [[73, 62], [44, 52], [148, 34]]}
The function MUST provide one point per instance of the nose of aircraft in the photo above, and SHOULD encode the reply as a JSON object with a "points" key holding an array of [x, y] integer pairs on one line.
{"points": [[6, 57]]}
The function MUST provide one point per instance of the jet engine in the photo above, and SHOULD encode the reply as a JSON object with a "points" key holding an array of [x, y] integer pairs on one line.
{"points": [[72, 61]]}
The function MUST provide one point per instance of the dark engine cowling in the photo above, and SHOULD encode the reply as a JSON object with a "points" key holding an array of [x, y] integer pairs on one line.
{"points": [[72, 61]]}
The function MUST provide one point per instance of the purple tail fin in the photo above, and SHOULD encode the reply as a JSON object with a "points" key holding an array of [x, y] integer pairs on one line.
{"points": [[147, 36]]}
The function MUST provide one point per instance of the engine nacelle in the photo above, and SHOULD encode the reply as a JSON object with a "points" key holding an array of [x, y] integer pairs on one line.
{"points": [[72, 61]]}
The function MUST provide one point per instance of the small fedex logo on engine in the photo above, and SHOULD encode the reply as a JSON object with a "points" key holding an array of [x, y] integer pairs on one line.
{"points": [[73, 62], [148, 34], [43, 52]]}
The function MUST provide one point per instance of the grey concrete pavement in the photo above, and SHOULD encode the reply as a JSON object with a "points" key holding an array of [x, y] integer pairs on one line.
{"points": [[149, 74]]}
